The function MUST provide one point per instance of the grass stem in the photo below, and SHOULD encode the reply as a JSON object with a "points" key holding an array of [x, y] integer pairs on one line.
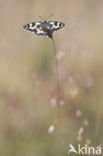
{"points": [[58, 99]]}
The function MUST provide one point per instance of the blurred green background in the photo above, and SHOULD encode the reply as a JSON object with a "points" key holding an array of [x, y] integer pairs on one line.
{"points": [[28, 77]]}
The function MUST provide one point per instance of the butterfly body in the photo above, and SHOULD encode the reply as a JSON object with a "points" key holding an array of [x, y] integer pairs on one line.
{"points": [[44, 28]]}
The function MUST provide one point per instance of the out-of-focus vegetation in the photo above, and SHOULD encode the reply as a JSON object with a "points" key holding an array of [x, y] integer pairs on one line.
{"points": [[28, 77]]}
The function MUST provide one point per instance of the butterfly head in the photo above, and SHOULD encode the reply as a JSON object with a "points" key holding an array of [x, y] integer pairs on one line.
{"points": [[44, 24]]}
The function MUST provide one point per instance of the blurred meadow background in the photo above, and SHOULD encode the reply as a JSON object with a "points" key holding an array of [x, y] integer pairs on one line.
{"points": [[28, 109]]}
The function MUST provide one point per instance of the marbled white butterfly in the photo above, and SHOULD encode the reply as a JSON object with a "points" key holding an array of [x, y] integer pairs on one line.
{"points": [[45, 28]]}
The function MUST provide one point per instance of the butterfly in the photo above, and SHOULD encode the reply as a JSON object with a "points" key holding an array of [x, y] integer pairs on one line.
{"points": [[45, 28]]}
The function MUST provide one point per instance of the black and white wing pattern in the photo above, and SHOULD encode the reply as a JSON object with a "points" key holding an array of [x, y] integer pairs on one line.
{"points": [[44, 28], [36, 28], [55, 25]]}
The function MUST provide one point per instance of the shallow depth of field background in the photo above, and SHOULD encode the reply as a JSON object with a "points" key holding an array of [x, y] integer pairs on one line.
{"points": [[28, 77]]}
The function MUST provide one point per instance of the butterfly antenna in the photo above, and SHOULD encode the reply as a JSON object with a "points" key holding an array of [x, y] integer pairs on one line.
{"points": [[41, 18], [50, 16], [58, 98]]}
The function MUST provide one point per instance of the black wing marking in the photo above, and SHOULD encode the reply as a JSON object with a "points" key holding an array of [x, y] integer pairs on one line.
{"points": [[54, 25], [36, 28]]}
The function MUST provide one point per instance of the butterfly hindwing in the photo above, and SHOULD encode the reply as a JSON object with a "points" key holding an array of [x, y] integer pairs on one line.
{"points": [[36, 28]]}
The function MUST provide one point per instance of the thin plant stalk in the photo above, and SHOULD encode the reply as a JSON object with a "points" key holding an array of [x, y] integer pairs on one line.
{"points": [[58, 98]]}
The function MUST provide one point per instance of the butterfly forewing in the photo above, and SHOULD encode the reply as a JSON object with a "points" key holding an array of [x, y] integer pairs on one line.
{"points": [[36, 28], [55, 25]]}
